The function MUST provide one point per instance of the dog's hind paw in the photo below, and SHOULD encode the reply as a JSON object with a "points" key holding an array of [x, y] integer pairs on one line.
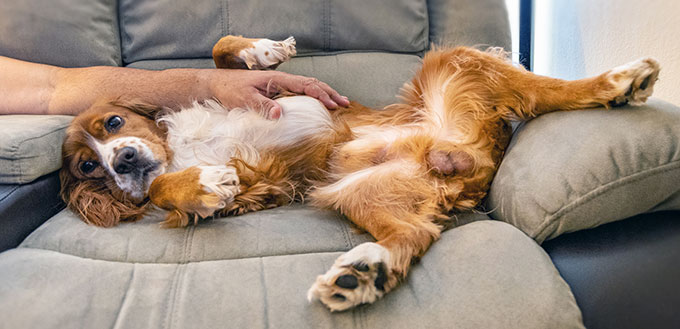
{"points": [[360, 276], [634, 81], [268, 54], [237, 52]]}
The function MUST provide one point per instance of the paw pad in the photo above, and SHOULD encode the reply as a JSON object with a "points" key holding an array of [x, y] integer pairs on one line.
{"points": [[360, 276]]}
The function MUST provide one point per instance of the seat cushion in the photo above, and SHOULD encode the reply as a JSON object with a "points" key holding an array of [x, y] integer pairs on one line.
{"points": [[282, 231], [483, 274], [30, 146], [371, 78], [568, 171], [70, 33]]}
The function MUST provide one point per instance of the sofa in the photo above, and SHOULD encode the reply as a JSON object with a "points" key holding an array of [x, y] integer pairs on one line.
{"points": [[581, 226]]}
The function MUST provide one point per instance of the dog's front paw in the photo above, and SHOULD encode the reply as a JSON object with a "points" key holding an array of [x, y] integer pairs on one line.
{"points": [[196, 192], [360, 276], [634, 81], [221, 181]]}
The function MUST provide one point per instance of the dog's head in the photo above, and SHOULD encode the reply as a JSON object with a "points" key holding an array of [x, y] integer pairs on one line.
{"points": [[111, 154]]}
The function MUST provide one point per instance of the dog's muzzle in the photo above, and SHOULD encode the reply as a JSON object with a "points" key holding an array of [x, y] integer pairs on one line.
{"points": [[125, 160]]}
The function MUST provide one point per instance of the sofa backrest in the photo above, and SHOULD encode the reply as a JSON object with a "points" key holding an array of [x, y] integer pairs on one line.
{"points": [[110, 32]]}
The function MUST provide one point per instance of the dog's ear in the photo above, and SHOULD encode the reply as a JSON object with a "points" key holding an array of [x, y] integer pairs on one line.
{"points": [[94, 202], [142, 108]]}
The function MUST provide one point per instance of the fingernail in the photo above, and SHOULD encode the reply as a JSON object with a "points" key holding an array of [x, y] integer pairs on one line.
{"points": [[333, 105], [274, 113]]}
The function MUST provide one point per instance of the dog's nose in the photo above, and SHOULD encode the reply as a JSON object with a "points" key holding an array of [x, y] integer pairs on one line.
{"points": [[125, 160]]}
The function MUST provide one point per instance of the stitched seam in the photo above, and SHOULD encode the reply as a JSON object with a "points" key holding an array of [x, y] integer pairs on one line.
{"points": [[222, 5], [15, 165], [169, 308], [330, 25], [264, 294], [16, 187], [190, 244], [603, 189], [326, 18], [116, 38], [228, 18], [178, 288], [132, 277], [185, 263]]}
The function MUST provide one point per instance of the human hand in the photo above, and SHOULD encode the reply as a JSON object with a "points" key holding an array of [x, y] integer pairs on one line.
{"points": [[254, 89]]}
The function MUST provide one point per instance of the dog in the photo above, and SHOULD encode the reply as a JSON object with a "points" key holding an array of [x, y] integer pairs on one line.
{"points": [[398, 173]]}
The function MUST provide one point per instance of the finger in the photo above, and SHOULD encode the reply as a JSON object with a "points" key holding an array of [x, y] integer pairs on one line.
{"points": [[313, 89], [269, 108], [334, 95]]}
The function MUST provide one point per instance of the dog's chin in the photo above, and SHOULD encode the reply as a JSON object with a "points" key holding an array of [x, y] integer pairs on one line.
{"points": [[136, 183]]}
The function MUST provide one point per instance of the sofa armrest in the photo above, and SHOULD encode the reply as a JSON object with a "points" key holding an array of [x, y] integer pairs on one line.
{"points": [[24, 207]]}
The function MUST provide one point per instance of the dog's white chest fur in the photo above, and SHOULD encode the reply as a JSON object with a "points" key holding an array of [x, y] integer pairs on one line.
{"points": [[208, 134]]}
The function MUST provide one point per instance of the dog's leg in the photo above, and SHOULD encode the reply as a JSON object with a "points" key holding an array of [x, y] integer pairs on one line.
{"points": [[512, 92], [194, 192], [263, 186], [393, 202], [631, 84], [236, 52]]}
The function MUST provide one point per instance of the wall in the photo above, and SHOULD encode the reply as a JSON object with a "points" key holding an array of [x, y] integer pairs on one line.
{"points": [[579, 38]]}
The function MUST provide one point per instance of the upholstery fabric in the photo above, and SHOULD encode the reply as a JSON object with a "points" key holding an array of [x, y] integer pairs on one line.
{"points": [[170, 29], [624, 274], [482, 23], [490, 275], [569, 171], [24, 207], [69, 33], [30, 146], [286, 230], [371, 78]]}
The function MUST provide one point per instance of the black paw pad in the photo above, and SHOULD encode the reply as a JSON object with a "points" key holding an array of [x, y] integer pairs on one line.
{"points": [[381, 278], [614, 103], [629, 91], [645, 83], [347, 281], [361, 267], [339, 297]]}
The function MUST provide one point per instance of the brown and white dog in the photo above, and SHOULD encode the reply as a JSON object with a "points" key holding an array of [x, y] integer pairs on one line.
{"points": [[398, 173]]}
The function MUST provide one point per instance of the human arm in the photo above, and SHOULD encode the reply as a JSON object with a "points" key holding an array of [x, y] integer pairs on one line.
{"points": [[30, 88]]}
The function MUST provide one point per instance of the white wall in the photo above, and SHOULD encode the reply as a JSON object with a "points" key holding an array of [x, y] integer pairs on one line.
{"points": [[579, 38]]}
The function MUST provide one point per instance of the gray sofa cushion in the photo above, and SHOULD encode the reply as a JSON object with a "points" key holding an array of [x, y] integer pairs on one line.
{"points": [[287, 230], [484, 274], [30, 146], [153, 29], [570, 171], [469, 23], [60, 32], [367, 77]]}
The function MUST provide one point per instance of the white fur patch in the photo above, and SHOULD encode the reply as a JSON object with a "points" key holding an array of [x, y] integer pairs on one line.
{"points": [[266, 53], [127, 182], [208, 134], [220, 180], [355, 178]]}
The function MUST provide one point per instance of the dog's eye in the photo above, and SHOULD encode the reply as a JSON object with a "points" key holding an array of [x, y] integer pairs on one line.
{"points": [[114, 123], [88, 166]]}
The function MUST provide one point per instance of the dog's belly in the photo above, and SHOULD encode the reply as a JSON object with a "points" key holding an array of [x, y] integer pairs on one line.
{"points": [[208, 134]]}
